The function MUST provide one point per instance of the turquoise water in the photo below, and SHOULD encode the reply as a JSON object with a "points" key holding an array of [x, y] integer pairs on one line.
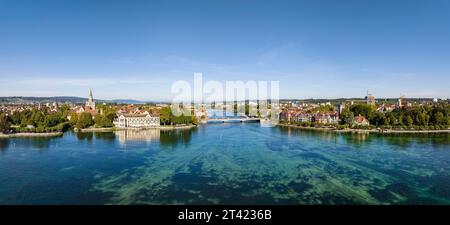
{"points": [[226, 164]]}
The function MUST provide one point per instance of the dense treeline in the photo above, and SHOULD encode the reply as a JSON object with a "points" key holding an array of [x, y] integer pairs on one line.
{"points": [[36, 120], [432, 117], [40, 120], [167, 118]]}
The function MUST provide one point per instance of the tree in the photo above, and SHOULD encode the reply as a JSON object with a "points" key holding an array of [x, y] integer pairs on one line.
{"points": [[409, 121], [84, 120], [439, 119], [377, 118], [4, 123], [165, 115], [103, 121], [361, 109], [390, 119], [51, 120], [73, 118], [347, 116]]}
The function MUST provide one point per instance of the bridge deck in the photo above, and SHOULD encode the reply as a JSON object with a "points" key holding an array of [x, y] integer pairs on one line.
{"points": [[234, 119]]}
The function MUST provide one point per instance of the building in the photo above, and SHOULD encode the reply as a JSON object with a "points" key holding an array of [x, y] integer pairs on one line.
{"points": [[326, 118], [89, 106], [90, 103], [370, 99], [144, 120], [361, 120]]}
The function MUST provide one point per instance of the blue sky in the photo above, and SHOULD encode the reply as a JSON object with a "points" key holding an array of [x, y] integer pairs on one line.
{"points": [[137, 49]]}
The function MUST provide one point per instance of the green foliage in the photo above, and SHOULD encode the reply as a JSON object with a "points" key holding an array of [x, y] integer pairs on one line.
{"points": [[41, 120], [323, 109], [61, 127], [106, 118], [104, 121], [167, 118], [4, 123], [347, 117], [84, 120], [165, 115], [73, 118], [377, 118], [362, 109]]}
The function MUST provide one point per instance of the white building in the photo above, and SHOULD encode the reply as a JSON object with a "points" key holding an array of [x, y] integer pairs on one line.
{"points": [[136, 120]]}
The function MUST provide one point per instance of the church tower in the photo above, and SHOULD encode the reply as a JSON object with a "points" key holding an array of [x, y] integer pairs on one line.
{"points": [[90, 103]]}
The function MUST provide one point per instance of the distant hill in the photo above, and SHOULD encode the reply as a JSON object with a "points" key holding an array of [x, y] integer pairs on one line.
{"points": [[128, 101], [62, 99], [59, 99]]}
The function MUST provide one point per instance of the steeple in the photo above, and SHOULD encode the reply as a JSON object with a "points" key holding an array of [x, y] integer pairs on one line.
{"points": [[90, 103], [90, 94]]}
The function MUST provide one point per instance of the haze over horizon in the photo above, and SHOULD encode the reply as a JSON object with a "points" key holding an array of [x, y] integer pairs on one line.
{"points": [[137, 49]]}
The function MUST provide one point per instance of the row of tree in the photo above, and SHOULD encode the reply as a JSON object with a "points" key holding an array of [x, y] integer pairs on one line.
{"points": [[167, 118], [36, 120], [85, 120], [435, 116]]}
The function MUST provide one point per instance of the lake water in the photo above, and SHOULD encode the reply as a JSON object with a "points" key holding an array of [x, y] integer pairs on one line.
{"points": [[226, 164]]}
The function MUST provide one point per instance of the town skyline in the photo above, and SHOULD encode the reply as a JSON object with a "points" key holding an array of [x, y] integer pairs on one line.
{"points": [[315, 50]]}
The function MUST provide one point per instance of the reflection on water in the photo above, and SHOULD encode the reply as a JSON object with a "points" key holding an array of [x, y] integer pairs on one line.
{"points": [[4, 143], [172, 138], [362, 139], [85, 136], [107, 136], [130, 135]]}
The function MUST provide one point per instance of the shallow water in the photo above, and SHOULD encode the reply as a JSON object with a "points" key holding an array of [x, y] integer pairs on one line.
{"points": [[226, 164]]}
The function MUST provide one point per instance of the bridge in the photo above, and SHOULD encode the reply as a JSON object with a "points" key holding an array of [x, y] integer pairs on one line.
{"points": [[222, 117], [241, 119]]}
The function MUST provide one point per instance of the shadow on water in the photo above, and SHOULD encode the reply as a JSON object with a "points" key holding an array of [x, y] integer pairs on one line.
{"points": [[106, 136], [37, 143], [173, 138], [404, 141], [361, 140], [323, 135], [357, 140], [89, 136], [4, 144], [40, 143]]}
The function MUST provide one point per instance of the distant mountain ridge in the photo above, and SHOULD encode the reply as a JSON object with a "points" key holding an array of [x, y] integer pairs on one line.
{"points": [[59, 99], [63, 99]]}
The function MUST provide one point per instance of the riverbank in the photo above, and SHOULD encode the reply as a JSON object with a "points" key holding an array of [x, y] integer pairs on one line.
{"points": [[378, 131], [50, 134], [111, 129]]}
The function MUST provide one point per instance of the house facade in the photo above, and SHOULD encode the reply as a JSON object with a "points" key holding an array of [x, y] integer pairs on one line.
{"points": [[361, 121], [136, 121]]}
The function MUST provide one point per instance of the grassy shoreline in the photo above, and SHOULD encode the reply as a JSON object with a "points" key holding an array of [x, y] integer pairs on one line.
{"points": [[378, 131]]}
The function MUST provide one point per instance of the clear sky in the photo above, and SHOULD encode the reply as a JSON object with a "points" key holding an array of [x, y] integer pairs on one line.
{"points": [[137, 49]]}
